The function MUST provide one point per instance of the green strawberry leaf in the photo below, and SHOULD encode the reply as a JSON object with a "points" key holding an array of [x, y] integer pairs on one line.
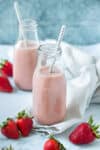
{"points": [[91, 120], [94, 127], [23, 114], [8, 148]]}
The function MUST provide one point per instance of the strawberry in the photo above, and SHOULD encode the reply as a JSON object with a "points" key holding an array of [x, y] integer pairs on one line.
{"points": [[53, 144], [6, 67], [9, 129], [24, 123], [85, 133], [5, 85]]}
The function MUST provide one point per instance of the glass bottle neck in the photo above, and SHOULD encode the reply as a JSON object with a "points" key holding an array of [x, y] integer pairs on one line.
{"points": [[28, 31], [49, 50], [47, 55]]}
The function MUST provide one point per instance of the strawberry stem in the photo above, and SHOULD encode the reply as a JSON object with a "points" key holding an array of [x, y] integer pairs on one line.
{"points": [[1, 66], [23, 114], [3, 61], [94, 127], [4, 123], [90, 121]]}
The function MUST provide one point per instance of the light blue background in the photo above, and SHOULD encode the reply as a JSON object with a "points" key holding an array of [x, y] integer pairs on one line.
{"points": [[82, 18]]}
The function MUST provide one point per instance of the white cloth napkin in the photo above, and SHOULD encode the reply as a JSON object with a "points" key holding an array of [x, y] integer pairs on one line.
{"points": [[82, 73]]}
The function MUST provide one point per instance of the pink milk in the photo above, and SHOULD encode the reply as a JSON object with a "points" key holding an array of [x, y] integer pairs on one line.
{"points": [[49, 96], [25, 59]]}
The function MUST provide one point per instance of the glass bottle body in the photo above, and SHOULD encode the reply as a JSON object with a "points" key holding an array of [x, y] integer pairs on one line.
{"points": [[25, 55], [49, 92]]}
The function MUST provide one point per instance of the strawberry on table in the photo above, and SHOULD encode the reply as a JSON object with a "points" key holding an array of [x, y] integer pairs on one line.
{"points": [[9, 129], [85, 133], [24, 123], [53, 144], [5, 85], [6, 67]]}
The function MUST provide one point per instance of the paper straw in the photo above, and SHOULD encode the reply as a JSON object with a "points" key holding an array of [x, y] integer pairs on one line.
{"points": [[60, 37], [19, 17]]}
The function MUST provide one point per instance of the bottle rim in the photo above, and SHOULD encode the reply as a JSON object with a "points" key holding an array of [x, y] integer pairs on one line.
{"points": [[29, 24], [49, 49]]}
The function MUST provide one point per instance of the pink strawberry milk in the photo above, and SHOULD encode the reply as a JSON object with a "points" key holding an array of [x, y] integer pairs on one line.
{"points": [[25, 56], [49, 91]]}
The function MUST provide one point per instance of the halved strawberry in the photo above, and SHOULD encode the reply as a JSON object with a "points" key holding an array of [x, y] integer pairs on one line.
{"points": [[6, 67]]}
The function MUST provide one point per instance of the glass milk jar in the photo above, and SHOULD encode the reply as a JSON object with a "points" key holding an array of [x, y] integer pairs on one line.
{"points": [[49, 88], [25, 54]]}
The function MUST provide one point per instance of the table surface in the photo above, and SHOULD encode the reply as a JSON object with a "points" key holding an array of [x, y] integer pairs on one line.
{"points": [[10, 104], [36, 140]]}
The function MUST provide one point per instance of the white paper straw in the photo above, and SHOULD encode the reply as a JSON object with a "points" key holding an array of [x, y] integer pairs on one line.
{"points": [[19, 17], [60, 37]]}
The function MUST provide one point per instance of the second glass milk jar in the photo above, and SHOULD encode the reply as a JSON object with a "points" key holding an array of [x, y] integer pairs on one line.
{"points": [[25, 54], [49, 88]]}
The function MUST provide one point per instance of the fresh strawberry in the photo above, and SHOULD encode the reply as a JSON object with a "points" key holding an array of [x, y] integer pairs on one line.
{"points": [[5, 85], [85, 133], [24, 123], [6, 67], [53, 144], [9, 129]]}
